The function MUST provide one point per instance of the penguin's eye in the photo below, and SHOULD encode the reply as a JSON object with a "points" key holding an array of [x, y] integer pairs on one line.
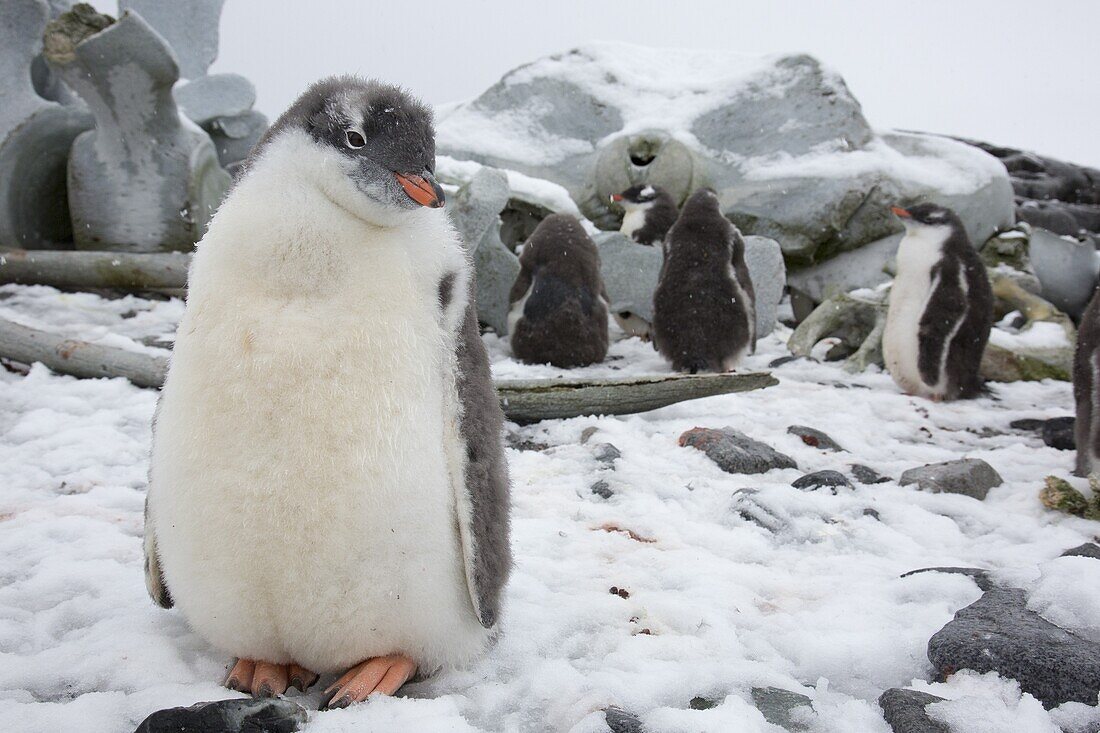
{"points": [[354, 139]]}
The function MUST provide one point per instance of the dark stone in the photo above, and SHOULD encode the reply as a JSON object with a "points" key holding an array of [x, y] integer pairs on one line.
{"points": [[820, 479], [602, 489], [1089, 549], [867, 475], [735, 452], [621, 721], [971, 477], [776, 704], [814, 438], [1029, 424], [703, 703], [1058, 433], [980, 576], [606, 453], [782, 360], [904, 711], [248, 715], [998, 633]]}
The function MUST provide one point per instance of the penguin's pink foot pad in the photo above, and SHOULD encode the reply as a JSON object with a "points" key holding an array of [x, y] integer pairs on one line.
{"points": [[378, 674]]}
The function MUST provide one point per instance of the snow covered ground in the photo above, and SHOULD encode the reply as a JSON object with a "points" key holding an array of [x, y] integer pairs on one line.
{"points": [[716, 603]]}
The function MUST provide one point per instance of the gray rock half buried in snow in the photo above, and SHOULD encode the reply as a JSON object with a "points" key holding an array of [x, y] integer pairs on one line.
{"points": [[967, 476], [998, 633], [735, 452], [142, 180], [35, 137], [904, 711], [269, 715], [781, 140]]}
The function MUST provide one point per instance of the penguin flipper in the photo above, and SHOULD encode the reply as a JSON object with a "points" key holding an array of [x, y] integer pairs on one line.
{"points": [[944, 310], [154, 577], [483, 495]]}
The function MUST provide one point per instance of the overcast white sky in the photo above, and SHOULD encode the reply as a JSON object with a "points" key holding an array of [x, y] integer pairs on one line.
{"points": [[1020, 73]]}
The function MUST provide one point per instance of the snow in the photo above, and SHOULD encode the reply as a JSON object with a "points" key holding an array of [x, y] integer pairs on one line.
{"points": [[1067, 594], [529, 189], [814, 605], [936, 163], [1036, 336]]}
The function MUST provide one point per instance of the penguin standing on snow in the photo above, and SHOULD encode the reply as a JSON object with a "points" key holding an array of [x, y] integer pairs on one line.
{"points": [[1086, 381], [704, 312], [328, 490], [941, 307], [558, 309], [649, 212]]}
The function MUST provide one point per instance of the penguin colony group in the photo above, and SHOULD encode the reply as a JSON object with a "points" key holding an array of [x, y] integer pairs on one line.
{"points": [[328, 491]]}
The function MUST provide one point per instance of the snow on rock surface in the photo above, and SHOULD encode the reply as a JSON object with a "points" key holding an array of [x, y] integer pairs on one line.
{"points": [[780, 138], [716, 603]]}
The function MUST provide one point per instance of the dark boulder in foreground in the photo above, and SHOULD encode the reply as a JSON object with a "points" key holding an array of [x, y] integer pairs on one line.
{"points": [[998, 633], [239, 715], [735, 452], [904, 711], [967, 476], [822, 479]]}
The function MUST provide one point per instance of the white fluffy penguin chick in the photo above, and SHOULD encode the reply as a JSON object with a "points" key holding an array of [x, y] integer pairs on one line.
{"points": [[328, 489]]}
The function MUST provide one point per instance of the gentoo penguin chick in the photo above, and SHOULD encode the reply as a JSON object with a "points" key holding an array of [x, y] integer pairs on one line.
{"points": [[704, 312], [1086, 389], [940, 310], [328, 490], [558, 304], [649, 212]]}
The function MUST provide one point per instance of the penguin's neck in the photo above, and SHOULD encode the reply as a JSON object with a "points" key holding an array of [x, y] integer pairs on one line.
{"points": [[920, 250]]}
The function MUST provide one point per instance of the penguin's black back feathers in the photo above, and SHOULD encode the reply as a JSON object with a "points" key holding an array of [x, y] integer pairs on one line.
{"points": [[564, 318], [1086, 366]]}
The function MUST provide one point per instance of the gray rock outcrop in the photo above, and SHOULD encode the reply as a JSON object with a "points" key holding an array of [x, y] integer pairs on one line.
{"points": [[735, 452], [971, 477]]}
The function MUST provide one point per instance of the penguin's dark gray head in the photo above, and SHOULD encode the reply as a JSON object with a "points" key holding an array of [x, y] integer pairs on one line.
{"points": [[638, 194], [381, 137], [927, 214]]}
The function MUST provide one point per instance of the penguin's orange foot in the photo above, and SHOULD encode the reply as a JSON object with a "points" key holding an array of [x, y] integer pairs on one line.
{"points": [[264, 679], [377, 674]]}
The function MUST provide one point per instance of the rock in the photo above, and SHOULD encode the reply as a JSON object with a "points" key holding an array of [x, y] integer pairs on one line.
{"points": [[814, 438], [867, 475], [1058, 495], [783, 360], [1089, 549], [904, 711], [735, 452], [1066, 268], [248, 715], [35, 136], [967, 476], [191, 30], [777, 704], [630, 272], [141, 181], [602, 489], [1058, 217], [1058, 433], [1007, 252], [998, 633], [981, 577], [606, 453], [593, 121], [622, 721], [764, 259], [858, 319], [587, 433], [1030, 424], [475, 212], [746, 505], [234, 137], [819, 479]]}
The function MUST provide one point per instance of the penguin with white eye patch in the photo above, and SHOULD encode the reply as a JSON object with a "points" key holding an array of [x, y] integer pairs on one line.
{"points": [[328, 490], [941, 307]]}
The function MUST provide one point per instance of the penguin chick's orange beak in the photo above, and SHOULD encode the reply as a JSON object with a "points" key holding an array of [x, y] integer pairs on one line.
{"points": [[615, 198], [423, 191], [898, 211]]}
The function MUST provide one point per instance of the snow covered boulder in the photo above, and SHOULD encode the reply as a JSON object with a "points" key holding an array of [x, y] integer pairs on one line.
{"points": [[781, 139]]}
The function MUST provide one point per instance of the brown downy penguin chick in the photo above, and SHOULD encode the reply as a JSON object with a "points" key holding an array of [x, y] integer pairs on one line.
{"points": [[559, 305], [704, 312], [648, 213], [1086, 379], [941, 307]]}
